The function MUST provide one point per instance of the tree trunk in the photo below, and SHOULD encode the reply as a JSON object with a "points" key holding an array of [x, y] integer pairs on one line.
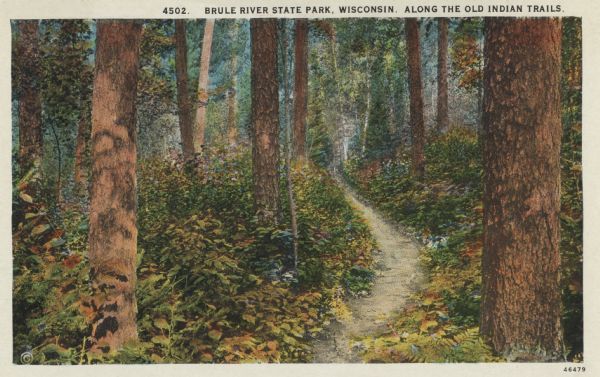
{"points": [[203, 86], [113, 231], [521, 306], [183, 95], [232, 131], [442, 100], [265, 119], [363, 139], [300, 88], [288, 147], [417, 125], [30, 106]]}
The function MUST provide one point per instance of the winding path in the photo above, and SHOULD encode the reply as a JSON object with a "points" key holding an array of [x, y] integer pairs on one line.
{"points": [[398, 275]]}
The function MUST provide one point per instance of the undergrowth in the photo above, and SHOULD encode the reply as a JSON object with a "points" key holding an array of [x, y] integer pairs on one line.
{"points": [[445, 213], [213, 285]]}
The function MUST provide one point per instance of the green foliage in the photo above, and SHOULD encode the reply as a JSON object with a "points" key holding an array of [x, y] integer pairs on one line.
{"points": [[50, 279], [571, 216], [358, 279], [465, 346], [213, 286], [467, 53], [445, 212]]}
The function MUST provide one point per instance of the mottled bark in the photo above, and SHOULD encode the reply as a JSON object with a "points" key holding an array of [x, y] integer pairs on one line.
{"points": [[417, 124], [521, 306], [442, 79], [30, 107], [300, 88], [183, 96], [203, 85], [113, 231], [265, 118]]}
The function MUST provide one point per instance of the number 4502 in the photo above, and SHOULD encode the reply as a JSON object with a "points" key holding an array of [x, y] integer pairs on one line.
{"points": [[174, 10]]}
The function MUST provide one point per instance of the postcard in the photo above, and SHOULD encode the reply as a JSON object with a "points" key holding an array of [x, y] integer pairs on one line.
{"points": [[361, 188]]}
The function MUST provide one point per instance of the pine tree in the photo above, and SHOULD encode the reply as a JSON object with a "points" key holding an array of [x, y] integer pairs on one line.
{"points": [[521, 298]]}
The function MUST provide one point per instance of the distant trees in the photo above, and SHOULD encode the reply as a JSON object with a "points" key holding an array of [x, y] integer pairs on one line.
{"points": [[183, 96], [265, 118], [417, 124], [202, 99], [442, 77], [30, 108], [232, 110], [300, 88], [112, 224], [521, 297]]}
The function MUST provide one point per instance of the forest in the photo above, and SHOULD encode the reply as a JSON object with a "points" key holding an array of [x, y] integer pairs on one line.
{"points": [[367, 190]]}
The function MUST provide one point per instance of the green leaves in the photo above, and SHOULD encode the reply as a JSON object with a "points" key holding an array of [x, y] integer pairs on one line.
{"points": [[26, 197], [161, 323], [39, 229], [160, 339], [215, 334]]}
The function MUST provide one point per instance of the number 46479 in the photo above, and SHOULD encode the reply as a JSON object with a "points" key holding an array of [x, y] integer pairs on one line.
{"points": [[574, 369]]}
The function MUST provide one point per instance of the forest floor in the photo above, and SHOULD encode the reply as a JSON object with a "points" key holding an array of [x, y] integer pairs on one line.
{"points": [[398, 275]]}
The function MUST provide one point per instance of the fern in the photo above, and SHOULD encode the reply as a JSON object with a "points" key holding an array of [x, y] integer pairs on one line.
{"points": [[465, 346]]}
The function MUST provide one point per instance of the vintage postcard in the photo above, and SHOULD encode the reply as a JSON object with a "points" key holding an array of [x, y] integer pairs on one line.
{"points": [[299, 187]]}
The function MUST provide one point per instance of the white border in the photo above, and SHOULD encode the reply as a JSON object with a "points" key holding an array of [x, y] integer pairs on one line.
{"points": [[39, 9]]}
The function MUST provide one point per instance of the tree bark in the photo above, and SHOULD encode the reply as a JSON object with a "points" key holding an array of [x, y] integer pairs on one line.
{"points": [[113, 231], [442, 100], [288, 147], [521, 298], [417, 124], [30, 106], [300, 88], [203, 85], [265, 119], [183, 96]]}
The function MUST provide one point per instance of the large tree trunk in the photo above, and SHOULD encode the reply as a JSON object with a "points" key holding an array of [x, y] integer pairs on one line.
{"points": [[203, 85], [30, 107], [113, 231], [300, 88], [265, 119], [183, 95], [417, 125], [521, 307], [442, 100]]}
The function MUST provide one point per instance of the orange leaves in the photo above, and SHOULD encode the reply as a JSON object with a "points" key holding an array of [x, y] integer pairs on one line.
{"points": [[272, 345], [426, 324], [71, 261], [472, 249]]}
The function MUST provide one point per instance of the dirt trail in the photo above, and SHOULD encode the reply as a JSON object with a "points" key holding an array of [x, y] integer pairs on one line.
{"points": [[398, 276]]}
